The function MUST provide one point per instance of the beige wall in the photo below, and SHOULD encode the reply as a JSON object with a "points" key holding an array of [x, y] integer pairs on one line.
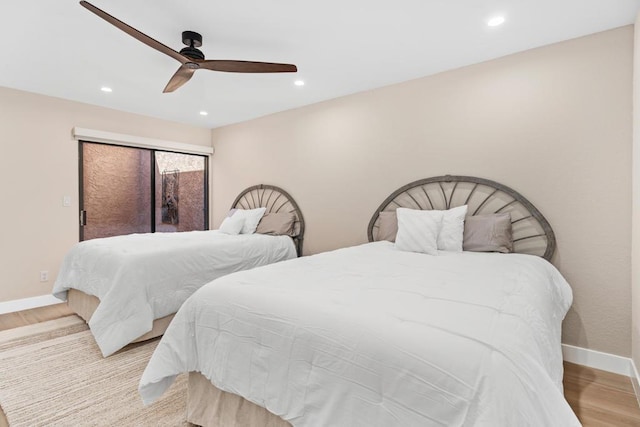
{"points": [[635, 253], [553, 123], [39, 166]]}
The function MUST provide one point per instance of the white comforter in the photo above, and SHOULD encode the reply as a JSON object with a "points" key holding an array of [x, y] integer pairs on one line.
{"points": [[142, 277], [371, 336]]}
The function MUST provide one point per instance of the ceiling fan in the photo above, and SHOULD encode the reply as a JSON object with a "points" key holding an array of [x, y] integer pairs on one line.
{"points": [[191, 57]]}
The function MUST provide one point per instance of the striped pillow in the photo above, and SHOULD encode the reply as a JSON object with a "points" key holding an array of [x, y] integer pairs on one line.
{"points": [[418, 230]]}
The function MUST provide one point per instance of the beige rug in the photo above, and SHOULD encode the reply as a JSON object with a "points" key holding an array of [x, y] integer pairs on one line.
{"points": [[53, 374]]}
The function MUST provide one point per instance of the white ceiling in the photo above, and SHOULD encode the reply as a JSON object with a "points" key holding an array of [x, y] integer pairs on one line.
{"points": [[58, 48]]}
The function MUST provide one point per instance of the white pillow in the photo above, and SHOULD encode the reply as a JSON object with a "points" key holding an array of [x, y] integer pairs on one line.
{"points": [[418, 230], [452, 230], [251, 219], [232, 224]]}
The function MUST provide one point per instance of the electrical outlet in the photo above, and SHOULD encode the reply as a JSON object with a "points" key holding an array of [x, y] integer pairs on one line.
{"points": [[66, 201], [44, 276]]}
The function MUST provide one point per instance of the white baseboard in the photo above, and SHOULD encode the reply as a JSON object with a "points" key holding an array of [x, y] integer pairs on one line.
{"points": [[27, 303], [598, 360]]}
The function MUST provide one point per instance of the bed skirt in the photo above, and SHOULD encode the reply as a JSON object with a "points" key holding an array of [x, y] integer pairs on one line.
{"points": [[208, 406], [84, 305]]}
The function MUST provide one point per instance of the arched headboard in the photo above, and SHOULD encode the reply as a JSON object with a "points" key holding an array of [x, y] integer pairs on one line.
{"points": [[274, 199], [532, 233]]}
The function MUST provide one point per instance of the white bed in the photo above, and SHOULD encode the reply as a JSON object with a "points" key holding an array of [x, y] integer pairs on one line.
{"points": [[375, 336], [128, 287]]}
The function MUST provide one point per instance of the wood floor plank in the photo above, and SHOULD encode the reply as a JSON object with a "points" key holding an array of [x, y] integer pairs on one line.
{"points": [[10, 321], [584, 373], [591, 417], [34, 315], [600, 398]]}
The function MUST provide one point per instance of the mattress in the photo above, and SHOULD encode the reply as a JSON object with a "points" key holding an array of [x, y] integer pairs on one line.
{"points": [[373, 336], [142, 277]]}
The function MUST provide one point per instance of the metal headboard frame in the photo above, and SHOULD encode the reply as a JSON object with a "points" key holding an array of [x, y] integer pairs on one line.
{"points": [[274, 199], [531, 233]]}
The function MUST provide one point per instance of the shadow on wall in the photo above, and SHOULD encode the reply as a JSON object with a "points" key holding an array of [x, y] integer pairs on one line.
{"points": [[577, 328], [572, 321]]}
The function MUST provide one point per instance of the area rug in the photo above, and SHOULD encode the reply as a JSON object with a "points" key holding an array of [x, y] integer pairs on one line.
{"points": [[56, 376]]}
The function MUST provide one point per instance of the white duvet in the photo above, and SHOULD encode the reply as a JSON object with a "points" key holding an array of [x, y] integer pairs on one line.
{"points": [[142, 277], [372, 336]]}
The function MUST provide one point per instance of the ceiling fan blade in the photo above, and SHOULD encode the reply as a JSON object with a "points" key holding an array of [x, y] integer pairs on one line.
{"points": [[181, 76], [135, 33], [246, 66]]}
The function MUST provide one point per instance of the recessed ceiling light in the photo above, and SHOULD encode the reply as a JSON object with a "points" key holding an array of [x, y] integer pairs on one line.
{"points": [[106, 89], [203, 113], [299, 83], [495, 21]]}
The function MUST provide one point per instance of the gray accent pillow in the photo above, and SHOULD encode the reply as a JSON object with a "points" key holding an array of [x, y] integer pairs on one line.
{"points": [[388, 226], [277, 224], [488, 233]]}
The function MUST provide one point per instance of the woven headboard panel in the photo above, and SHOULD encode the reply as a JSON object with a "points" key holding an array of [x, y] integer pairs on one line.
{"points": [[532, 233], [274, 199]]}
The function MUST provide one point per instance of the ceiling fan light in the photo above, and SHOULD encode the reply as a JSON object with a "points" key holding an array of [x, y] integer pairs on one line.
{"points": [[496, 21], [299, 83], [106, 89], [204, 113]]}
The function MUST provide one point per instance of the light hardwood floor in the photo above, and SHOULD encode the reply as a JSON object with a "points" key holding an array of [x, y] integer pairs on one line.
{"points": [[36, 315], [599, 398]]}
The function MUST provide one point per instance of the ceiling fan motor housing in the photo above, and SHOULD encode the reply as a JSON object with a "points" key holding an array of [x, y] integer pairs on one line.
{"points": [[193, 40]]}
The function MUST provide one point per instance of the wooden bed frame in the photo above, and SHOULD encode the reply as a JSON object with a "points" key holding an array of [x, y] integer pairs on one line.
{"points": [[273, 198], [209, 406]]}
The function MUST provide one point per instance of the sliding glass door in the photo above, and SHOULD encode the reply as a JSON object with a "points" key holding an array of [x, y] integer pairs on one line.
{"points": [[180, 192], [127, 190]]}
